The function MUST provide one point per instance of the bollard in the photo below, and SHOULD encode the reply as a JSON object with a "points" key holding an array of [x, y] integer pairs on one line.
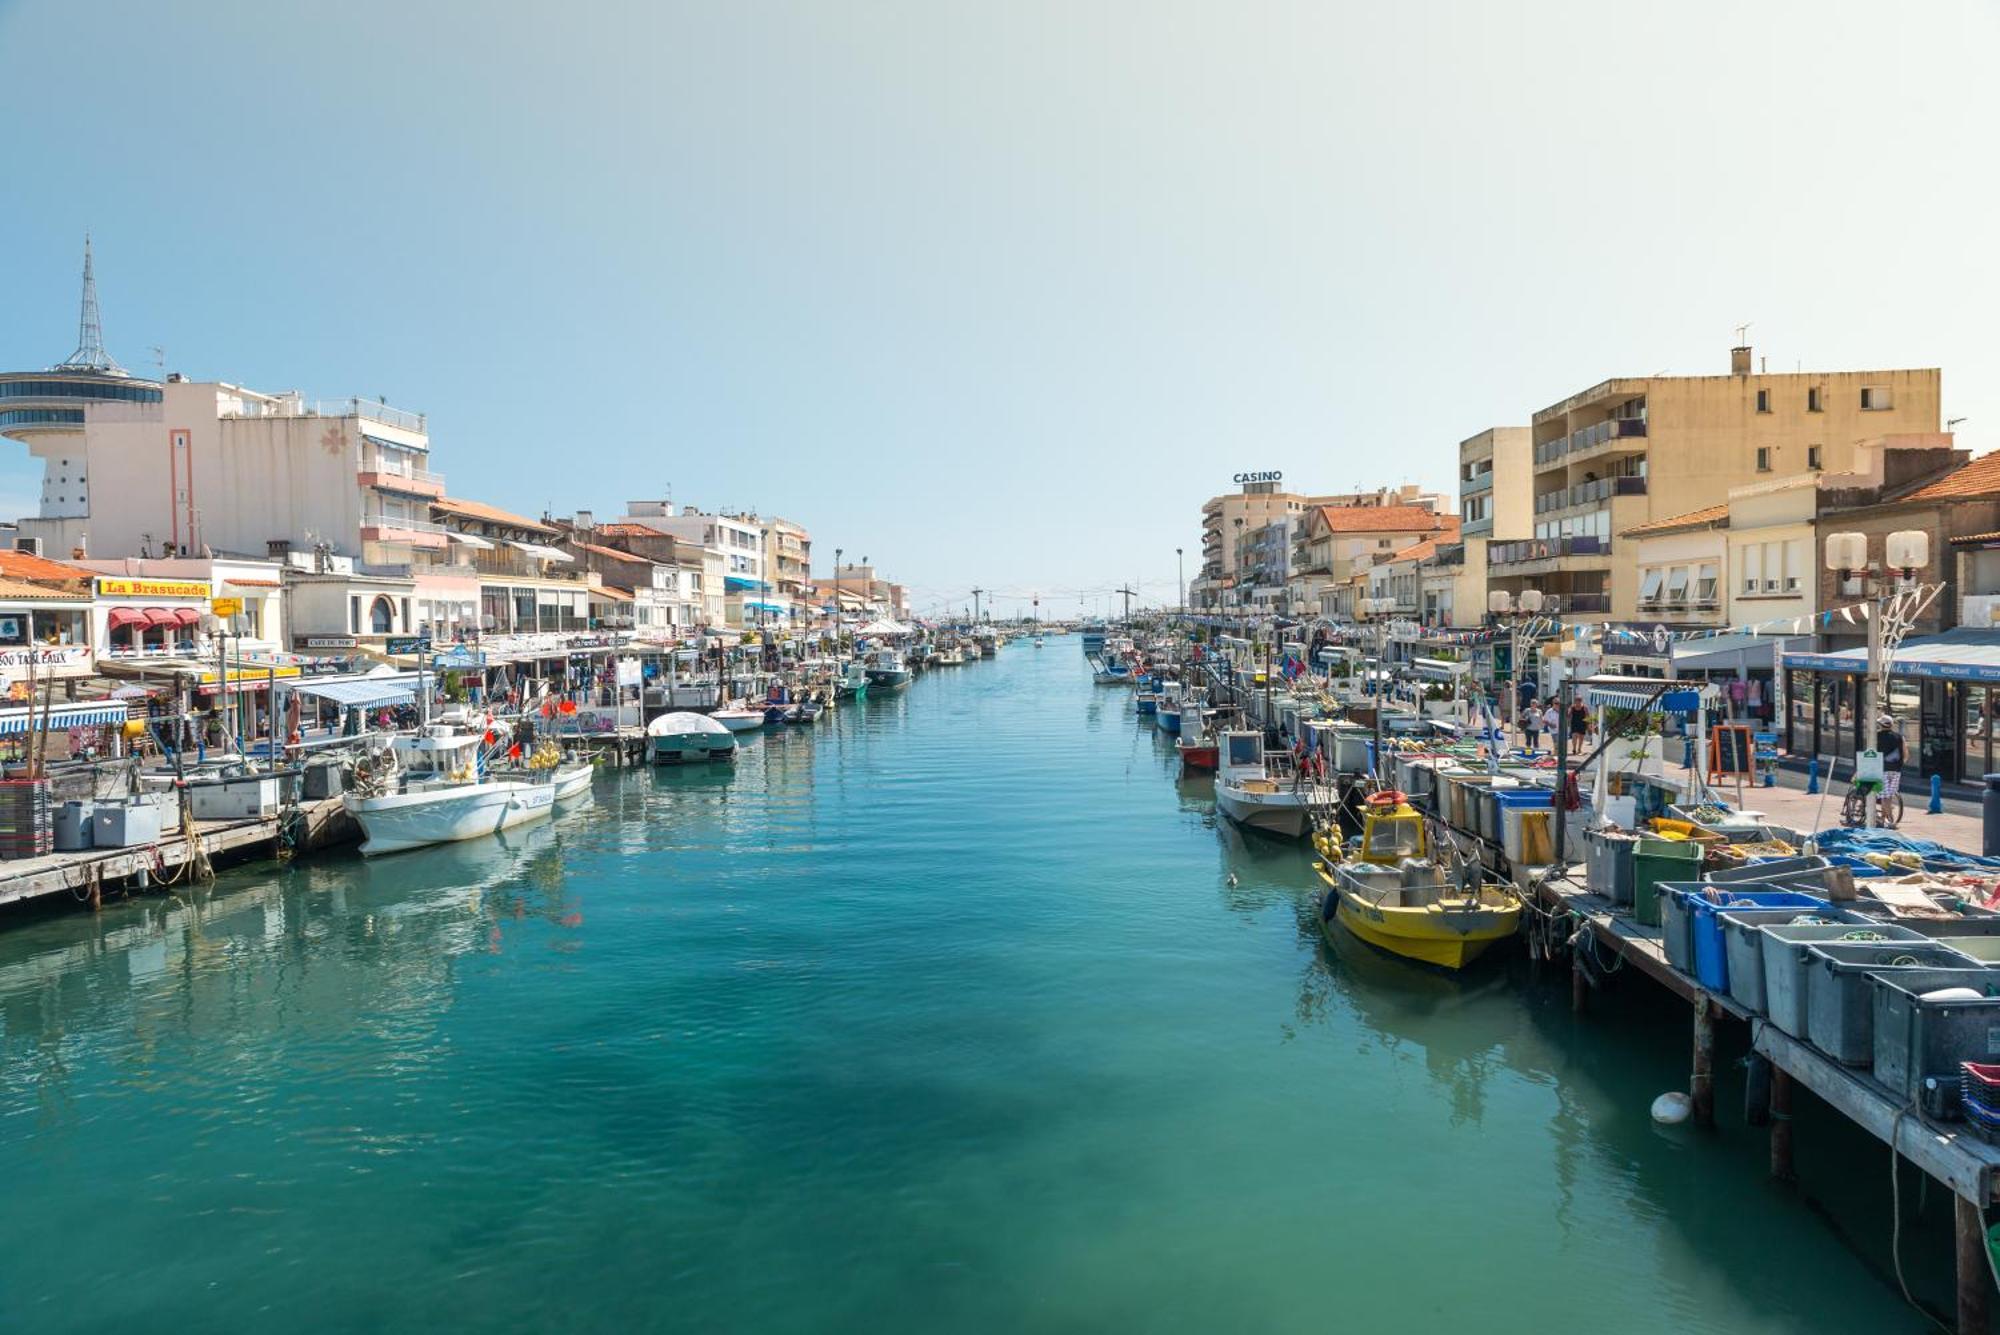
{"points": [[1812, 776], [1936, 808], [1687, 752]]}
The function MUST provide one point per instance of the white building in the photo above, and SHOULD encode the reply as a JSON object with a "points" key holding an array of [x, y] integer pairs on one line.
{"points": [[735, 546]]}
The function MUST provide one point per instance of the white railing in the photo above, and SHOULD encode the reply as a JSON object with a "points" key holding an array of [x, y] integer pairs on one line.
{"points": [[404, 469], [374, 412], [407, 525]]}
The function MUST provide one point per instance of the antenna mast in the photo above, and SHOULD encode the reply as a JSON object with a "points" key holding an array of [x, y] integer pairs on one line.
{"points": [[90, 354]]}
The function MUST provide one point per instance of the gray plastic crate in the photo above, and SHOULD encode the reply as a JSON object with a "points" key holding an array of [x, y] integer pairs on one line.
{"points": [[1743, 946], [1840, 1008], [1915, 1038], [1785, 966], [1608, 864]]}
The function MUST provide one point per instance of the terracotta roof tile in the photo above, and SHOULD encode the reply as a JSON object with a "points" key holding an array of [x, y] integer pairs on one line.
{"points": [[1386, 519], [1713, 514], [1979, 477], [28, 566], [612, 552], [488, 514], [14, 588]]}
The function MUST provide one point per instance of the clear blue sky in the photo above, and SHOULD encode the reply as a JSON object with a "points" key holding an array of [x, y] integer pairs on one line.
{"points": [[993, 293]]}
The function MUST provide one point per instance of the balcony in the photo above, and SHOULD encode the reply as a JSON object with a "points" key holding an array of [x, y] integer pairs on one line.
{"points": [[396, 528], [1584, 602], [1551, 451], [1594, 492], [403, 479], [1593, 439], [367, 411], [1546, 549]]}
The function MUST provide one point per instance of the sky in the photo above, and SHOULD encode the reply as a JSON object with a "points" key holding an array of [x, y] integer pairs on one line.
{"points": [[994, 294]]}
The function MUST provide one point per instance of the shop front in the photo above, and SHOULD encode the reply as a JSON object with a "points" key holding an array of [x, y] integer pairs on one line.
{"points": [[137, 617], [1943, 690]]}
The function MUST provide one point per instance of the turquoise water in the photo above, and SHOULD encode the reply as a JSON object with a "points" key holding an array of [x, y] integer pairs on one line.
{"points": [[945, 1017]]}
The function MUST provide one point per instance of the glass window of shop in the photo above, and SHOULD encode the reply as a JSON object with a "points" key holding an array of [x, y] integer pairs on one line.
{"points": [[61, 627], [1976, 732], [1835, 712], [493, 604], [524, 610]]}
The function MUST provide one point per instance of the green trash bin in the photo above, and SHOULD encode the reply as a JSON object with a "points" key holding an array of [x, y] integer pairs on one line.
{"points": [[1655, 861]]}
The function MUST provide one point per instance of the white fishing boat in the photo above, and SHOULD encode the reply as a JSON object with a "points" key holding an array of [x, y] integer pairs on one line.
{"points": [[852, 683], [739, 717], [429, 788], [887, 671], [1259, 791], [684, 738]]}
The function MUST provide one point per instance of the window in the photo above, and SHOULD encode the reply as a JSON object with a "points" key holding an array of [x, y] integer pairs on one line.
{"points": [[354, 614], [1677, 584], [1763, 458], [382, 617], [1774, 565], [1813, 404], [1704, 584], [1795, 562], [1649, 584], [1763, 400], [1752, 566], [1813, 457], [1874, 399]]}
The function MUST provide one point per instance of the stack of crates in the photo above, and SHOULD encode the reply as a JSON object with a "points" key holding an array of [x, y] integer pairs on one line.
{"points": [[1979, 1092], [27, 819]]}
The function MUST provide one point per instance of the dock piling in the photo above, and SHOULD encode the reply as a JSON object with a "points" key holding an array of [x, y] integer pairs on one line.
{"points": [[1974, 1272], [1781, 1124], [1701, 1083]]}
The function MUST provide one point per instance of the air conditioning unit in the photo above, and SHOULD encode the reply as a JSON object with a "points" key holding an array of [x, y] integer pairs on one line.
{"points": [[32, 546]]}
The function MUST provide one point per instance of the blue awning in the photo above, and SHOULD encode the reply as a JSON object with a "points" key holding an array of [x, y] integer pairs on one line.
{"points": [[1965, 653], [1679, 700], [737, 584], [29, 719]]}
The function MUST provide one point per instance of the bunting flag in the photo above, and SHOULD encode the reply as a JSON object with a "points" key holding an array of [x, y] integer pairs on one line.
{"points": [[1847, 615]]}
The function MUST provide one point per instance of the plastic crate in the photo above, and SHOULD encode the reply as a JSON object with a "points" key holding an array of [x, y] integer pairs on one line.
{"points": [[1654, 861], [1915, 1038], [1785, 965], [1711, 958], [1840, 1010], [1608, 864], [1743, 945]]}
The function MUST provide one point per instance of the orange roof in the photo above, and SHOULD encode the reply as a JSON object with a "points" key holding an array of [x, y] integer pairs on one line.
{"points": [[626, 529], [1386, 519], [1714, 514], [615, 594], [40, 570], [14, 588], [1979, 477], [1421, 551], [611, 552], [487, 514]]}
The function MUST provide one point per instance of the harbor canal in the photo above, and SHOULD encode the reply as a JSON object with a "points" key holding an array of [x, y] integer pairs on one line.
{"points": [[959, 1013]]}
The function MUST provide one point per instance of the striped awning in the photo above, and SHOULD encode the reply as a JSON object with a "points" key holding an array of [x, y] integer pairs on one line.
{"points": [[360, 694], [1659, 696], [91, 714]]}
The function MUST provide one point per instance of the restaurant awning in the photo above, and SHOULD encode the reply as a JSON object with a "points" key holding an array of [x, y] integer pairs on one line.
{"points": [[162, 616], [471, 540], [187, 616], [1964, 654], [359, 694], [536, 549], [119, 617], [85, 715], [1439, 669], [1658, 695]]}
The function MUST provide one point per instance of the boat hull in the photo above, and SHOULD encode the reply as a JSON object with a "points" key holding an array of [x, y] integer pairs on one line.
{"points": [[689, 748], [402, 821], [1168, 721], [1282, 814], [1444, 937], [888, 682], [739, 720], [1202, 758]]}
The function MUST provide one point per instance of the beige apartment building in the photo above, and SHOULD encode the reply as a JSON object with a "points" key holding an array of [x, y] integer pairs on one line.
{"points": [[1496, 492], [1628, 451], [1229, 521]]}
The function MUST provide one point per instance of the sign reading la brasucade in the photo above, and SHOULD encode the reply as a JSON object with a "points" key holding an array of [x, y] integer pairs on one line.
{"points": [[1269, 475], [119, 587]]}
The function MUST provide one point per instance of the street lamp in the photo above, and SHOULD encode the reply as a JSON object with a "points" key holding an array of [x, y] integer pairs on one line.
{"points": [[1512, 608], [1898, 600], [1180, 585]]}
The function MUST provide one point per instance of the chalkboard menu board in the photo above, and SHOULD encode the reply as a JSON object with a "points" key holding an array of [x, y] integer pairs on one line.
{"points": [[1730, 751]]}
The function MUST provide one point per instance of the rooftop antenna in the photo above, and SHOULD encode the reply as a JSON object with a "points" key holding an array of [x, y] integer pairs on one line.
{"points": [[1742, 333], [90, 354]]}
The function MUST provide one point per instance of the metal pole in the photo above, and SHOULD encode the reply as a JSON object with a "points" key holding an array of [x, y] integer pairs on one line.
{"points": [[1878, 689], [1562, 767]]}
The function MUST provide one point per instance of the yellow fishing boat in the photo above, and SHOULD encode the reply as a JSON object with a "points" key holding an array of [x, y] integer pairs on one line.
{"points": [[1389, 891]]}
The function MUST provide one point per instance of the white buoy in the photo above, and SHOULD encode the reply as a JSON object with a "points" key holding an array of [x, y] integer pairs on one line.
{"points": [[1672, 1109]]}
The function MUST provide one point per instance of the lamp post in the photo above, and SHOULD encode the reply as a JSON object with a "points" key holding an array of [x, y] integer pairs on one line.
{"points": [[1180, 583], [1897, 601], [1513, 609]]}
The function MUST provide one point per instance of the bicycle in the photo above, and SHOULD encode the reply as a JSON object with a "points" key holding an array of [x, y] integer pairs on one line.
{"points": [[1888, 810]]}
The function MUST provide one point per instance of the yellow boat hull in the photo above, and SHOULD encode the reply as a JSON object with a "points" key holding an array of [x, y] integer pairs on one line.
{"points": [[1445, 936]]}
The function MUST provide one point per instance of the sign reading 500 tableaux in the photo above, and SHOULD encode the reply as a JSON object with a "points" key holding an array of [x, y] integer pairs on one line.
{"points": [[109, 586]]}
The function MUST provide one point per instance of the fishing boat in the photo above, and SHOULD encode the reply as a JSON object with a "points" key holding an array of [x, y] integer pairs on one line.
{"points": [[987, 642], [1144, 703], [1093, 638], [683, 738], [852, 683], [739, 718], [569, 775], [1260, 791], [429, 788], [952, 657], [887, 673], [1388, 890], [1167, 717]]}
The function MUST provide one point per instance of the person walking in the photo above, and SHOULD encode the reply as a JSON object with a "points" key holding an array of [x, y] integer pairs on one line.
{"points": [[1531, 723], [1552, 723], [1889, 741], [1579, 726]]}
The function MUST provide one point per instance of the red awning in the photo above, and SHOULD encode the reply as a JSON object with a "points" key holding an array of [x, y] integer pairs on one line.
{"points": [[187, 616], [124, 616], [161, 616]]}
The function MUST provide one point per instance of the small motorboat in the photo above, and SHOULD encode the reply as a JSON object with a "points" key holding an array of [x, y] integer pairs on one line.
{"points": [[739, 718], [887, 671], [430, 788], [1145, 703], [1260, 791], [684, 738], [1167, 717], [1388, 890], [852, 684]]}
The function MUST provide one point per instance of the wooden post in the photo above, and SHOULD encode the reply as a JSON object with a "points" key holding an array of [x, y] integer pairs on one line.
{"points": [[1974, 1282], [1701, 1084], [1781, 1124], [1579, 986]]}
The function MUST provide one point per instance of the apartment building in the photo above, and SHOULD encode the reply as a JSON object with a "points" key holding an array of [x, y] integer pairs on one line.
{"points": [[1496, 495], [736, 543], [788, 564], [1335, 541], [1632, 450], [1261, 500]]}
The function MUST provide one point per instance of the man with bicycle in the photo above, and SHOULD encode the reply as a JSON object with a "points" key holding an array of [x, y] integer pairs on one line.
{"points": [[1889, 741]]}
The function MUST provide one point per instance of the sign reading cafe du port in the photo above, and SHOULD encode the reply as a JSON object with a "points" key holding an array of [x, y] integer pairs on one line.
{"points": [[1268, 475]]}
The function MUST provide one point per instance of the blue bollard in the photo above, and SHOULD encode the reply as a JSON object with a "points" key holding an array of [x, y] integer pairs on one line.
{"points": [[1770, 776], [1687, 752], [1812, 776], [1936, 808]]}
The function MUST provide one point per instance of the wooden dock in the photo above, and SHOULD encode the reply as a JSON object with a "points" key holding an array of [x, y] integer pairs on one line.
{"points": [[1947, 1152], [87, 876]]}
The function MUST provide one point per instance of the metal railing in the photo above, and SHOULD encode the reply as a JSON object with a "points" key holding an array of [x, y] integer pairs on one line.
{"points": [[1551, 450], [407, 525], [403, 469], [1545, 549], [374, 412]]}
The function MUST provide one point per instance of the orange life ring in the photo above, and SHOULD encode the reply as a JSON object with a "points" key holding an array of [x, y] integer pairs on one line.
{"points": [[1388, 797]]}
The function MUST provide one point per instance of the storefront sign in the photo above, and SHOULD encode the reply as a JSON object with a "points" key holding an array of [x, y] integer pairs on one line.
{"points": [[407, 644], [57, 660], [324, 641], [226, 607], [246, 676], [121, 587]]}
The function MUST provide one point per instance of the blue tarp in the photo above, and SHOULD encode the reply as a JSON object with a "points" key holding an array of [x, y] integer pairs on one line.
{"points": [[1849, 847]]}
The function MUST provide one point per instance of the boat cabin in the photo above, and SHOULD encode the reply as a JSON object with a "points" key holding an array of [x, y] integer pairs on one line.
{"points": [[1390, 835]]}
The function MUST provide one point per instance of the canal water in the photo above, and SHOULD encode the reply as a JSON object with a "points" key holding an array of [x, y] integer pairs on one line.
{"points": [[959, 1014]]}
